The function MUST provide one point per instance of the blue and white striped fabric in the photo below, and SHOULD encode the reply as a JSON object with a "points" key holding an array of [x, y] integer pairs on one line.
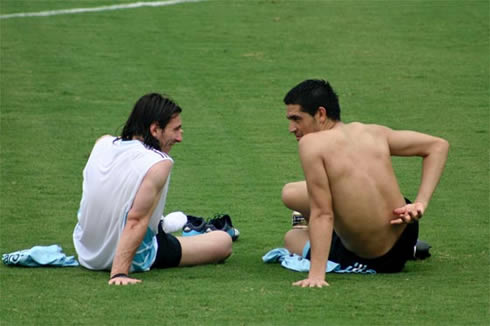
{"points": [[39, 256], [298, 263], [146, 253]]}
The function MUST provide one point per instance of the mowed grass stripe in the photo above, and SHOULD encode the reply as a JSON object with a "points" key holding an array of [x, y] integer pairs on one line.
{"points": [[95, 9]]}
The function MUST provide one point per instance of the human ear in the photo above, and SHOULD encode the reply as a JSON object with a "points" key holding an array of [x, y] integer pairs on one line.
{"points": [[322, 114], [154, 129]]}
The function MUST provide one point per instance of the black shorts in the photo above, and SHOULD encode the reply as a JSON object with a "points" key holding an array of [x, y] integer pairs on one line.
{"points": [[391, 262], [169, 250]]}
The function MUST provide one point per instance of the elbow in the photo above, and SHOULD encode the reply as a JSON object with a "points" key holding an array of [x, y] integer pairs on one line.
{"points": [[442, 146], [439, 147], [446, 144], [135, 224]]}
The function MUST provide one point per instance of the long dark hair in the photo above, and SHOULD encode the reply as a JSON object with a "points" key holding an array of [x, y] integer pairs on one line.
{"points": [[148, 109]]}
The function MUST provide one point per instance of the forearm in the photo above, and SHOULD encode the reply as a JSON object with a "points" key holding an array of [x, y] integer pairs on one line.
{"points": [[432, 168], [130, 240], [320, 233]]}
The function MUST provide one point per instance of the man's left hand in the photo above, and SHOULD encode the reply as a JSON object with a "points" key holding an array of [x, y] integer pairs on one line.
{"points": [[409, 213]]}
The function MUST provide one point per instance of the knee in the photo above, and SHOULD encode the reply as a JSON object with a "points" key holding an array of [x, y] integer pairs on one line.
{"points": [[295, 240], [288, 194], [223, 245], [289, 239]]}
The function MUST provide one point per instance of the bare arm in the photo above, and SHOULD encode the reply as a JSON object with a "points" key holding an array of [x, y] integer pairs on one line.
{"points": [[137, 221], [321, 214], [434, 151]]}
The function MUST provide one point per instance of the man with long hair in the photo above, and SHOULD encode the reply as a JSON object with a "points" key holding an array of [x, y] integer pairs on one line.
{"points": [[125, 184]]}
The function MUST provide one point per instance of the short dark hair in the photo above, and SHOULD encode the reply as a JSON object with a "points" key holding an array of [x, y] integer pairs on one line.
{"points": [[313, 93], [148, 109]]}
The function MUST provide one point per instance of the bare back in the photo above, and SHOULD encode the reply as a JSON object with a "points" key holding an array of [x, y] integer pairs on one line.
{"points": [[363, 187]]}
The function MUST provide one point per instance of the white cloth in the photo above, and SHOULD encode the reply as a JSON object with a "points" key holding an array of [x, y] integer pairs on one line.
{"points": [[173, 222], [111, 178]]}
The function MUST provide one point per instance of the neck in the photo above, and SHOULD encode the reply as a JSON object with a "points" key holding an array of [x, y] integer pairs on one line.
{"points": [[329, 124]]}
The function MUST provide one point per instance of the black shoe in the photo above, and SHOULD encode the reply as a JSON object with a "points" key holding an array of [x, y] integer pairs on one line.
{"points": [[223, 222], [298, 220], [194, 226], [422, 250]]}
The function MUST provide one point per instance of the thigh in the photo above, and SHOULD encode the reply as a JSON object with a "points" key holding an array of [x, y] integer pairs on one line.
{"points": [[295, 197], [169, 251], [212, 247]]}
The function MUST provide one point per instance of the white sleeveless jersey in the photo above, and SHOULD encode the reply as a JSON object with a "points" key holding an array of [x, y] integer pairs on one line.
{"points": [[111, 178]]}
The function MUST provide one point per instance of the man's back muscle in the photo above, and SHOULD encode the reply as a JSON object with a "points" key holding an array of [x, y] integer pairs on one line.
{"points": [[363, 186]]}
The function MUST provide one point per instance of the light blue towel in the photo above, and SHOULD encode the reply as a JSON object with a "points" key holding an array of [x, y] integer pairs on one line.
{"points": [[300, 264], [40, 256], [293, 261]]}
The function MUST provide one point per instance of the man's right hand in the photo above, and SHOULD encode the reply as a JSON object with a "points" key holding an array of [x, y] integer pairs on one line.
{"points": [[311, 283], [123, 280]]}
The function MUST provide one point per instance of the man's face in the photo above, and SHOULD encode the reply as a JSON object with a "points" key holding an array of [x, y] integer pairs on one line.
{"points": [[171, 134], [300, 123]]}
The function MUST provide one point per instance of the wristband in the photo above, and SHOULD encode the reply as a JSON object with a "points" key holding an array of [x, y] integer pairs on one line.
{"points": [[119, 275]]}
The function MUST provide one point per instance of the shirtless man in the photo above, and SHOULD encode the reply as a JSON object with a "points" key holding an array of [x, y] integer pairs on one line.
{"points": [[356, 212]]}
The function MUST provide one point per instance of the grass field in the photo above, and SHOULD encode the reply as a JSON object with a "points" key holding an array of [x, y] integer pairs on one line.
{"points": [[67, 79]]}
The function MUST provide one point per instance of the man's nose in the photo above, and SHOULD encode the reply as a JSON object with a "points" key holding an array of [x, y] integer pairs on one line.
{"points": [[292, 127]]}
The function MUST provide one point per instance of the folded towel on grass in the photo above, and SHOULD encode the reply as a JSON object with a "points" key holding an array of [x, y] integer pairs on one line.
{"points": [[300, 264], [40, 256]]}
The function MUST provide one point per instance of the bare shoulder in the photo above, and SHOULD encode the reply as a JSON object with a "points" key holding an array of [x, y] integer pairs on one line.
{"points": [[159, 173], [312, 141], [374, 131], [371, 127], [156, 177], [162, 167]]}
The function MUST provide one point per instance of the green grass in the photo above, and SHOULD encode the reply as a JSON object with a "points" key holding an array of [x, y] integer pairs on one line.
{"points": [[65, 80]]}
